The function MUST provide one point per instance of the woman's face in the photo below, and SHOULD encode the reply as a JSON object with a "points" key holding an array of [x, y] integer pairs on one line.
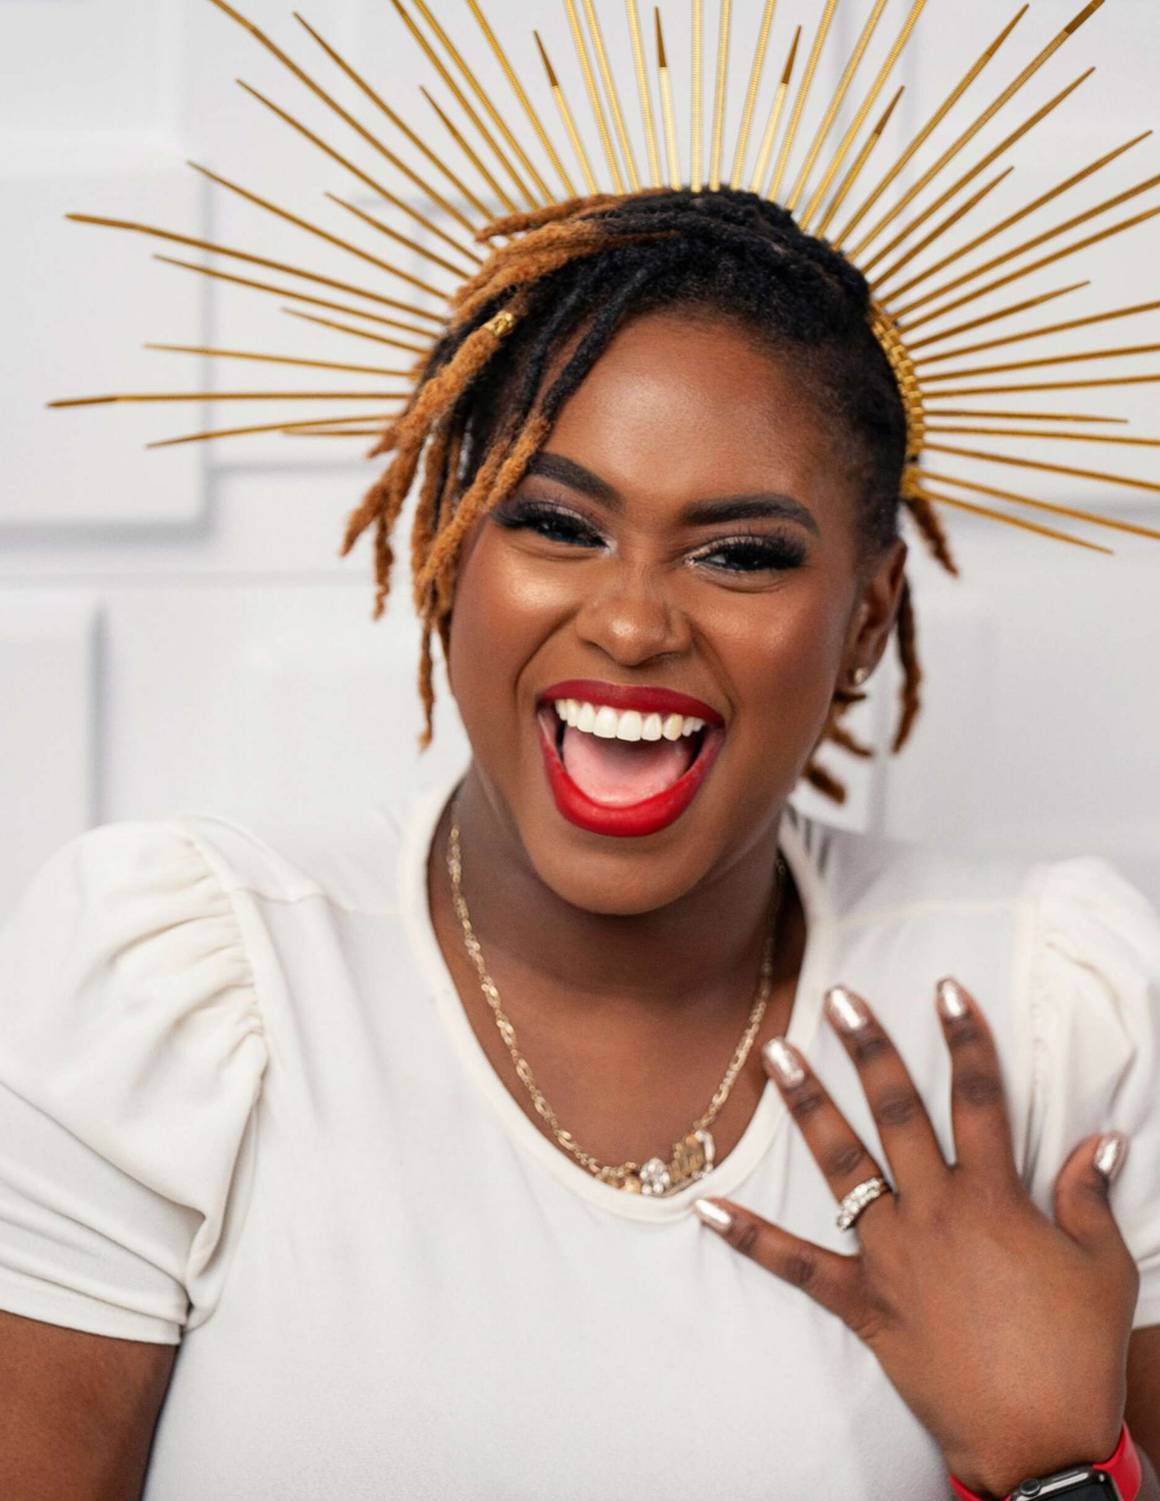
{"points": [[689, 529]]}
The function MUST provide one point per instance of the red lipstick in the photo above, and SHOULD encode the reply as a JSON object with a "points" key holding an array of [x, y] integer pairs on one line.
{"points": [[632, 820]]}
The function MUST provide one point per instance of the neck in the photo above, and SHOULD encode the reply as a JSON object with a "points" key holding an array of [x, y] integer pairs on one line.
{"points": [[692, 952]]}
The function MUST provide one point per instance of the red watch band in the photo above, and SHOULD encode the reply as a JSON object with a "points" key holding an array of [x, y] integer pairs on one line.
{"points": [[1123, 1467]]}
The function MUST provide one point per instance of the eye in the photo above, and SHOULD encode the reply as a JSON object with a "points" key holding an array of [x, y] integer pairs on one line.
{"points": [[755, 552], [547, 519]]}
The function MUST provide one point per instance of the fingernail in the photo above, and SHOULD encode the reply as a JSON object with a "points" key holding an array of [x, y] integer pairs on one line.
{"points": [[1110, 1155], [713, 1215], [952, 1001], [846, 1010], [782, 1060]]}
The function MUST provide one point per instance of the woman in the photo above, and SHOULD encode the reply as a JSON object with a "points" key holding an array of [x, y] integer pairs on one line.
{"points": [[414, 1135]]}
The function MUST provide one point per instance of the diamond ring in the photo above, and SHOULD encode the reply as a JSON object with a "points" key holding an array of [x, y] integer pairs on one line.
{"points": [[858, 1199]]}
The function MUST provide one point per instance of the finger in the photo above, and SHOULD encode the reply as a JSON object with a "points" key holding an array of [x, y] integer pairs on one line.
{"points": [[1083, 1207], [908, 1138], [979, 1120], [837, 1148], [833, 1281]]}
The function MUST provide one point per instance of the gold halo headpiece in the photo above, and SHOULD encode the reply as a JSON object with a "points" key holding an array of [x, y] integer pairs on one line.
{"points": [[887, 219]]}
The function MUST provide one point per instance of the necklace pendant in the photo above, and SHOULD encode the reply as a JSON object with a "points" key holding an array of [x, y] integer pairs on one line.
{"points": [[692, 1159]]}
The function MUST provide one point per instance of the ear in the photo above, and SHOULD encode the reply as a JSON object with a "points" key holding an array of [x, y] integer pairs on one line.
{"points": [[876, 608]]}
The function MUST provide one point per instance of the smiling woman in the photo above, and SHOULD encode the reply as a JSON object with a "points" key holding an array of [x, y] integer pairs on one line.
{"points": [[598, 1125]]}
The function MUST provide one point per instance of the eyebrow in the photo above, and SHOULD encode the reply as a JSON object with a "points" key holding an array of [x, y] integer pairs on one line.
{"points": [[762, 505]]}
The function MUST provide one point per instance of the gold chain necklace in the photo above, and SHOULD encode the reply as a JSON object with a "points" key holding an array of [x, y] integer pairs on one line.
{"points": [[691, 1157]]}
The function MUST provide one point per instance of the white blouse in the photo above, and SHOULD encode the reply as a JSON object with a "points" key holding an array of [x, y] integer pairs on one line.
{"points": [[241, 1107]]}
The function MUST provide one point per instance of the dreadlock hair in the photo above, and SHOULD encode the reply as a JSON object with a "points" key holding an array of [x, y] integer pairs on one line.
{"points": [[528, 327]]}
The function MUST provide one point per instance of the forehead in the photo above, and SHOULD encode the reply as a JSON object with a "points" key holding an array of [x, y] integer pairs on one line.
{"points": [[682, 406]]}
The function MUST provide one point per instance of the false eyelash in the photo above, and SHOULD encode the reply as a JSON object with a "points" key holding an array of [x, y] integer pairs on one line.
{"points": [[521, 513], [765, 552]]}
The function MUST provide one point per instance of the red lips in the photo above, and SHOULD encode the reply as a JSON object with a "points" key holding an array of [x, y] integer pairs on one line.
{"points": [[633, 820]]}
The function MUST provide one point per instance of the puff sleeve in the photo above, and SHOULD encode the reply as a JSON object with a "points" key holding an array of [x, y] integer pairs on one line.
{"points": [[1095, 1024], [131, 1060]]}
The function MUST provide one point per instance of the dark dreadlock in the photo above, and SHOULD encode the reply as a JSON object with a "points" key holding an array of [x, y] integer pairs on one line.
{"points": [[570, 275]]}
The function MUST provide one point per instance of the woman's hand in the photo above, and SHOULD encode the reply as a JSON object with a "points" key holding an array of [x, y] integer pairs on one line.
{"points": [[1004, 1333]]}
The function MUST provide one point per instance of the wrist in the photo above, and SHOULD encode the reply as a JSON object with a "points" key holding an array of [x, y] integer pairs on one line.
{"points": [[985, 1482]]}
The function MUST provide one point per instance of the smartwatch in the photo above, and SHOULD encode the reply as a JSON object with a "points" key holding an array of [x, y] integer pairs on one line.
{"points": [[1116, 1479]]}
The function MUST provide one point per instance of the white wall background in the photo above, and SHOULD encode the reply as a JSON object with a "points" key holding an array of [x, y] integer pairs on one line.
{"points": [[176, 630]]}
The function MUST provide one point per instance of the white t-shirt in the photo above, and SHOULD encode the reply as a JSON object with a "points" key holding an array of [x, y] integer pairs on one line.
{"points": [[241, 1106]]}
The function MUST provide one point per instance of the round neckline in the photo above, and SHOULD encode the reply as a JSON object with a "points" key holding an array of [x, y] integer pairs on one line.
{"points": [[755, 1140]]}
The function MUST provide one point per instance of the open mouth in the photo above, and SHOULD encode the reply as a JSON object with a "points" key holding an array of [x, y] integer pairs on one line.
{"points": [[625, 762]]}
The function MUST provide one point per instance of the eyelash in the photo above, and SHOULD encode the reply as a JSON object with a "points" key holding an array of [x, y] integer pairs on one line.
{"points": [[749, 551]]}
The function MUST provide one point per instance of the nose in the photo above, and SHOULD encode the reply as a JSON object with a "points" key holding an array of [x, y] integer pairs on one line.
{"points": [[631, 617]]}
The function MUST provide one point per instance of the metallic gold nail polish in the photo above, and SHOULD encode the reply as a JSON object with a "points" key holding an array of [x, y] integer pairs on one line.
{"points": [[1110, 1155], [713, 1215], [846, 1010], [952, 1000], [782, 1061]]}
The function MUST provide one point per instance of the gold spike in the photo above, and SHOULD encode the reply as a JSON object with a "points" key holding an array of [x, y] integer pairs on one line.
{"points": [[469, 151], [480, 93], [836, 102], [799, 103], [385, 229], [289, 218], [466, 106], [1080, 357], [672, 152], [96, 401], [859, 120], [981, 166], [941, 228], [333, 432], [1039, 333], [930, 127], [593, 94], [358, 333], [1029, 416], [610, 89], [775, 113], [518, 90], [362, 176], [566, 117], [276, 359], [1032, 244], [751, 93], [262, 427], [1012, 219], [254, 260], [991, 515], [860, 161], [695, 178], [719, 95], [1003, 281], [1030, 432], [998, 458], [646, 113], [400, 124], [1053, 385], [1006, 312], [1042, 505], [973, 129], [343, 114], [265, 286]]}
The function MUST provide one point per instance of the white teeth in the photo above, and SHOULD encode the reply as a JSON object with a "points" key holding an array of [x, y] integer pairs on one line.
{"points": [[627, 724]]}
